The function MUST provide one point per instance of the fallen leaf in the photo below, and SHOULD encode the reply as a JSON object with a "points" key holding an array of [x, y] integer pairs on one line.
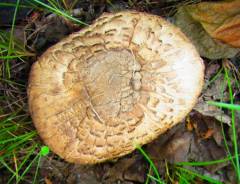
{"points": [[206, 45], [176, 149], [183, 145], [47, 181], [43, 31], [206, 147], [208, 134], [136, 172], [189, 124], [220, 19], [211, 70], [212, 111], [172, 146], [214, 90], [82, 174], [131, 168]]}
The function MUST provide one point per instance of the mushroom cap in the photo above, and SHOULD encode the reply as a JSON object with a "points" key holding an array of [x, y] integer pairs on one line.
{"points": [[122, 81]]}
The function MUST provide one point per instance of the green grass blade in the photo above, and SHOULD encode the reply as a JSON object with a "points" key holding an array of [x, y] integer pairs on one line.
{"points": [[206, 163], [16, 165], [19, 137], [222, 128], [6, 166], [13, 57], [150, 162], [25, 137], [148, 179], [54, 4], [28, 167], [225, 105], [235, 144], [14, 5], [153, 178], [182, 180], [59, 12], [36, 172], [215, 77], [13, 82], [10, 46], [24, 161], [207, 178]]}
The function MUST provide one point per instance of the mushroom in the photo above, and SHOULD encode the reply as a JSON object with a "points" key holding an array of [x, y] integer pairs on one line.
{"points": [[122, 81]]}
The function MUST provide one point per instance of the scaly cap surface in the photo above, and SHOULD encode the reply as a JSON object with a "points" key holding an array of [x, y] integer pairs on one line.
{"points": [[123, 80]]}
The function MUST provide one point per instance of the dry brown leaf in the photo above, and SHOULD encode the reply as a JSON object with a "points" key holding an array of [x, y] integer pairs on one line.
{"points": [[47, 181], [208, 134], [189, 124], [128, 168], [220, 19], [206, 45], [212, 111]]}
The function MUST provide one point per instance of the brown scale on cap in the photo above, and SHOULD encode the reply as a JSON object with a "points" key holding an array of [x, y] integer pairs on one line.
{"points": [[122, 81]]}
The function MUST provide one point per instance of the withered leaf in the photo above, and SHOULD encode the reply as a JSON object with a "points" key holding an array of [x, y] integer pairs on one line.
{"points": [[208, 134], [47, 181], [220, 19], [206, 45]]}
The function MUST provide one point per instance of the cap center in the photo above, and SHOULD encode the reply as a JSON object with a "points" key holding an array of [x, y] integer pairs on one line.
{"points": [[113, 81]]}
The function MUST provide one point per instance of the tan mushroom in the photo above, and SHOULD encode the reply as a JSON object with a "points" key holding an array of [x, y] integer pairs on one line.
{"points": [[123, 80]]}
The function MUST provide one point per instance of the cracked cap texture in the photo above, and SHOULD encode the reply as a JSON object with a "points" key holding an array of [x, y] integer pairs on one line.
{"points": [[121, 81]]}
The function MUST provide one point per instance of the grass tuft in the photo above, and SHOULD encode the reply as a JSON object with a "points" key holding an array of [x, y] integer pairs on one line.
{"points": [[234, 132], [61, 12], [159, 180]]}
